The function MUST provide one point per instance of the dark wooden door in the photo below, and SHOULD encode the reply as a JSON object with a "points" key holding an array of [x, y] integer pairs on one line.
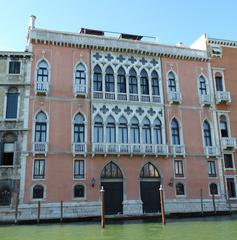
{"points": [[113, 197], [150, 196]]}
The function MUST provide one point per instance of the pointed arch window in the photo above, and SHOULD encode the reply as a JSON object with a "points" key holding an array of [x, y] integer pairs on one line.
{"points": [[135, 131], [79, 129], [219, 82], [121, 80], [207, 134], [133, 81], [123, 130], [144, 83], [41, 127], [146, 131], [175, 132], [110, 130], [109, 79], [172, 82], [149, 171], [223, 126], [111, 170], [80, 78], [155, 83], [42, 71], [202, 86], [97, 79], [98, 130], [157, 131]]}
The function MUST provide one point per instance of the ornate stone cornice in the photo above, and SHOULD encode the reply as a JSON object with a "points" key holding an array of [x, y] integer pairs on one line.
{"points": [[222, 42], [77, 40], [4, 54]]}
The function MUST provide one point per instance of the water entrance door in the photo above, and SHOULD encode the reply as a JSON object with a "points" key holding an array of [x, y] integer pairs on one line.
{"points": [[150, 196], [113, 197]]}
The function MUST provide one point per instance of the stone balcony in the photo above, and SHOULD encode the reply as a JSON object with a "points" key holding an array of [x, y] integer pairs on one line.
{"points": [[228, 143], [174, 97], [79, 148], [205, 99], [9, 172], [211, 151], [41, 87], [223, 97], [177, 150], [126, 97], [130, 149], [40, 148], [80, 89]]}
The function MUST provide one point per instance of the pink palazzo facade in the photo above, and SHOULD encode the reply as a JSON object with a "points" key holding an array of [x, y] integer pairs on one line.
{"points": [[124, 114]]}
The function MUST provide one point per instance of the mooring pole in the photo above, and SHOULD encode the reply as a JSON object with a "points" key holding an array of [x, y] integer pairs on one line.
{"points": [[229, 203], [102, 191], [201, 201], [16, 207], [214, 202], [38, 215], [61, 211], [162, 205]]}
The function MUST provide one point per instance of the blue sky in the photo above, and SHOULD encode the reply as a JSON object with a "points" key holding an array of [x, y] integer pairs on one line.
{"points": [[170, 21]]}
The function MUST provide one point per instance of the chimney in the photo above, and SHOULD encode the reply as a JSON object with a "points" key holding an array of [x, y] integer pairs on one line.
{"points": [[32, 22]]}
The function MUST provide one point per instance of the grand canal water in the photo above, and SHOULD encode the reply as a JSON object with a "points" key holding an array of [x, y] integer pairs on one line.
{"points": [[222, 228]]}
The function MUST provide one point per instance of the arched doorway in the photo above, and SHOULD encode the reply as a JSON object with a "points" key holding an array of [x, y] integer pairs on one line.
{"points": [[112, 182], [149, 187]]}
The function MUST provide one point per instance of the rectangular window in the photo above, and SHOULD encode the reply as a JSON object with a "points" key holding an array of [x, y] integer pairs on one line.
{"points": [[211, 169], [228, 161], [14, 67], [79, 169], [39, 169], [7, 154], [178, 168], [12, 103], [230, 182]]}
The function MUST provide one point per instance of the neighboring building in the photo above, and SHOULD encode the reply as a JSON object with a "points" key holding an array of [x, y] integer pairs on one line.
{"points": [[223, 54], [15, 70], [124, 114]]}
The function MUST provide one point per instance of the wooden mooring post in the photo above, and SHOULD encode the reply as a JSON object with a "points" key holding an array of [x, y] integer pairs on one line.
{"points": [[16, 208], [38, 212], [201, 195], [162, 205], [214, 202], [102, 219], [61, 211]]}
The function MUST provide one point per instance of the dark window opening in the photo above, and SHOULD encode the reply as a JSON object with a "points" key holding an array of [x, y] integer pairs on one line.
{"points": [[38, 192], [14, 67], [79, 191], [228, 160], [213, 189], [79, 169], [180, 189], [231, 187]]}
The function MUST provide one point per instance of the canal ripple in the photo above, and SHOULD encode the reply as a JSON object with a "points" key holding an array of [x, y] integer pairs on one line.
{"points": [[189, 229]]}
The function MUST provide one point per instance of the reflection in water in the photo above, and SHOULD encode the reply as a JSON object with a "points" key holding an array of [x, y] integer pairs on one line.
{"points": [[190, 229]]}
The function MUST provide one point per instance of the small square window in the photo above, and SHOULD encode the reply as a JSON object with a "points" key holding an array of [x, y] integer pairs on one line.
{"points": [[178, 168], [14, 67], [228, 161], [211, 169], [79, 169], [39, 169]]}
